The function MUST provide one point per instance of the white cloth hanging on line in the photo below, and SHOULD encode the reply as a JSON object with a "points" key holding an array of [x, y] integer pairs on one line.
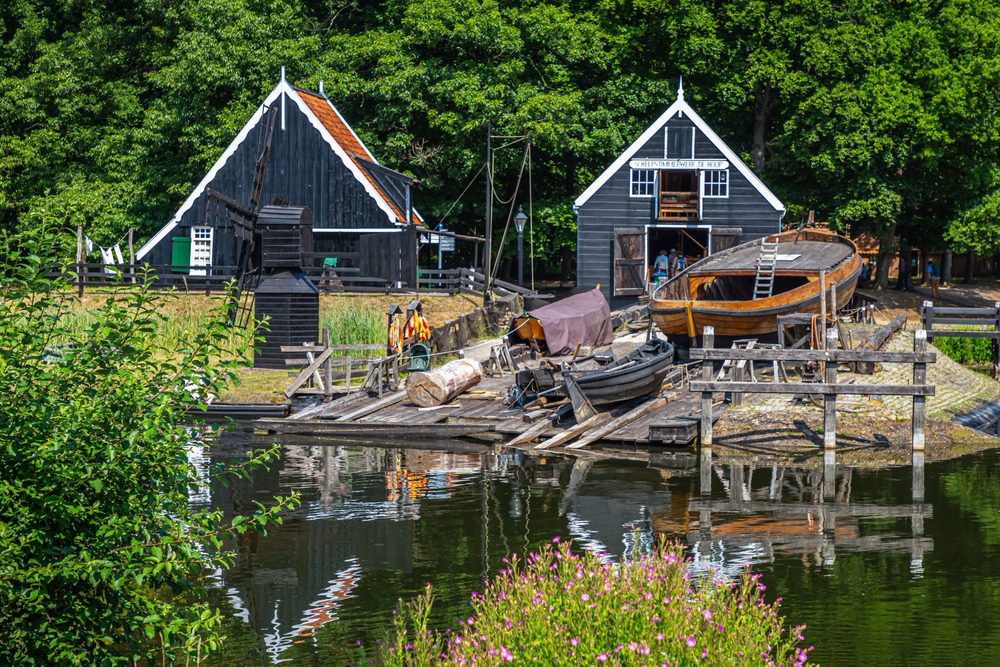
{"points": [[118, 254], [108, 258], [89, 246]]}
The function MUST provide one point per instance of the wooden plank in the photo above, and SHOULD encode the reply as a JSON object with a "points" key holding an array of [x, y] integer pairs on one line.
{"points": [[943, 321], [374, 406], [306, 372], [841, 509], [814, 388], [618, 422], [963, 334], [532, 433], [965, 312], [318, 410], [574, 431], [837, 356], [371, 430]]}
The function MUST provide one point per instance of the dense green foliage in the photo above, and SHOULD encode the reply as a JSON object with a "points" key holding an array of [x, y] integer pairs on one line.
{"points": [[100, 550], [875, 114], [972, 351], [559, 608]]}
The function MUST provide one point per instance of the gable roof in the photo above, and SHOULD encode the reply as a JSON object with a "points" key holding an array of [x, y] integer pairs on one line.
{"points": [[334, 130], [680, 106]]}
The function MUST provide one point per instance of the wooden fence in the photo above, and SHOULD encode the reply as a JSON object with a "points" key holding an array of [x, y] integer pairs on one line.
{"points": [[829, 388], [986, 319], [96, 275], [323, 364]]}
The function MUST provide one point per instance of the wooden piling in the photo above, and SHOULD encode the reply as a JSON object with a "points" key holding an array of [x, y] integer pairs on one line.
{"points": [[708, 341], [328, 370], [919, 402], [996, 342], [822, 305], [131, 255], [830, 400]]}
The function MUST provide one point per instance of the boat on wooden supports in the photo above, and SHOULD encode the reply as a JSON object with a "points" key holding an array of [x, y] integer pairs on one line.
{"points": [[637, 374], [742, 291]]}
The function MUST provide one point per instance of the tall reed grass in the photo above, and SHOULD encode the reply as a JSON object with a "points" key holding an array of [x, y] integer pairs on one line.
{"points": [[351, 324], [555, 607]]}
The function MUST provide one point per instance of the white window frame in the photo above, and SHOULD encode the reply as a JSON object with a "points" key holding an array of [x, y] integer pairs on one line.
{"points": [[710, 181], [666, 141], [210, 237], [632, 183]]}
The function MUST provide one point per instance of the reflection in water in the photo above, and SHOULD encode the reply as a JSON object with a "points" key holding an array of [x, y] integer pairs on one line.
{"points": [[376, 525]]}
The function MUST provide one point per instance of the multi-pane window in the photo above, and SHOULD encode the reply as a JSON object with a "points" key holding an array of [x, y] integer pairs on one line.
{"points": [[643, 182], [716, 183]]}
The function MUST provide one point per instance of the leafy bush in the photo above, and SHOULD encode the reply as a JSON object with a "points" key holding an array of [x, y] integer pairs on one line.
{"points": [[559, 608], [101, 553], [971, 351]]}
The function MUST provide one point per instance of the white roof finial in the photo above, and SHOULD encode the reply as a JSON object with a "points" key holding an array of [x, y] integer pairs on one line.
{"points": [[321, 88], [680, 88], [282, 73]]}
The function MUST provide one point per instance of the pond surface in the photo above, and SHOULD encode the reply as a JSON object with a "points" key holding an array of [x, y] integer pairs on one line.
{"points": [[878, 578]]}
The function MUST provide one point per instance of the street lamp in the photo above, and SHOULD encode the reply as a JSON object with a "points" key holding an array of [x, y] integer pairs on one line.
{"points": [[520, 219]]}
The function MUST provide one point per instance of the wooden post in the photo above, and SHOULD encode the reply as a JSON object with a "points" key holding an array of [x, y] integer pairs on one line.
{"points": [[996, 341], [80, 258], [830, 400], [918, 477], [919, 402], [822, 306], [833, 302], [707, 342], [327, 368], [927, 318], [131, 254]]}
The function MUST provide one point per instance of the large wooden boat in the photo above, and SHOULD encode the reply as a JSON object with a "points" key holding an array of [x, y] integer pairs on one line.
{"points": [[718, 291]]}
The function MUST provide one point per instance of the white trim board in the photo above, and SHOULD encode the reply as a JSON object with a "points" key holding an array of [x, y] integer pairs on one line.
{"points": [[679, 107], [282, 89]]}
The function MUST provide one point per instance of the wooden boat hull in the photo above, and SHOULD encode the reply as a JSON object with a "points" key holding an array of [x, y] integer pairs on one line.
{"points": [[528, 329], [614, 385], [684, 318]]}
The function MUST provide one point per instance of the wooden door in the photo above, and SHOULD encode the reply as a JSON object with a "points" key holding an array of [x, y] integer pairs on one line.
{"points": [[629, 261], [725, 237]]}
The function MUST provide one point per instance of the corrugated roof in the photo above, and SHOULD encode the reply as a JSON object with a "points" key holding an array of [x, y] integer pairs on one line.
{"points": [[349, 141]]}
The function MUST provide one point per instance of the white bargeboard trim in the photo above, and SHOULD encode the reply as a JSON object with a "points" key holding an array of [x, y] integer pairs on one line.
{"points": [[680, 107]]}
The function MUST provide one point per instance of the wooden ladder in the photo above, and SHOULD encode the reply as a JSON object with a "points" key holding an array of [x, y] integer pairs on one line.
{"points": [[763, 285]]}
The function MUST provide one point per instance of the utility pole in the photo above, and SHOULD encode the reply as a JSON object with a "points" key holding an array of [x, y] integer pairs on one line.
{"points": [[488, 260]]}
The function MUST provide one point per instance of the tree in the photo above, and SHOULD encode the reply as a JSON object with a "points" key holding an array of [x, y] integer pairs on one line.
{"points": [[101, 554]]}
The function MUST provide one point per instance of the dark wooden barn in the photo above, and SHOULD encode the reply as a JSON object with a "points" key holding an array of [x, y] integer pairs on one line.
{"points": [[678, 186], [316, 161]]}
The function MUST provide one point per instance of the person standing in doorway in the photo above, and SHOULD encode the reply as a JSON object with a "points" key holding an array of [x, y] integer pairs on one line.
{"points": [[661, 265], [934, 275], [672, 263]]}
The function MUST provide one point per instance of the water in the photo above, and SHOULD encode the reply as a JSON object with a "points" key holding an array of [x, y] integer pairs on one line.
{"points": [[878, 578]]}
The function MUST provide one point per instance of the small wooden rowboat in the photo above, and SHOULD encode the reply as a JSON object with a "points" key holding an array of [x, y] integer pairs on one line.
{"points": [[637, 374], [718, 291]]}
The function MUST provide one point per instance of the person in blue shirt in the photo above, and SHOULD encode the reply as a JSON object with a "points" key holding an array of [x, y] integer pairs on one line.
{"points": [[660, 264], [934, 274]]}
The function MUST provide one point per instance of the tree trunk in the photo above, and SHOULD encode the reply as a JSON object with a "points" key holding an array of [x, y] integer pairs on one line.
{"points": [[566, 268], [762, 102], [904, 278], [922, 266], [970, 261], [946, 268], [440, 386], [885, 256]]}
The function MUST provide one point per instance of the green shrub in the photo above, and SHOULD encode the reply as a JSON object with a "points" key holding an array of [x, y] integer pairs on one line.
{"points": [[970, 351], [101, 554], [558, 608]]}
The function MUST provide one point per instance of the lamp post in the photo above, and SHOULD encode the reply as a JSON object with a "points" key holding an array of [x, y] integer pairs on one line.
{"points": [[519, 220]]}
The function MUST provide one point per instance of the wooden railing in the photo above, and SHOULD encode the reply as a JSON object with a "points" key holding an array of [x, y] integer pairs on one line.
{"points": [[677, 206], [829, 388], [987, 321]]}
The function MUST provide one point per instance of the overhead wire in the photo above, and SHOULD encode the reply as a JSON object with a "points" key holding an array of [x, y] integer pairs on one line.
{"points": [[510, 214]]}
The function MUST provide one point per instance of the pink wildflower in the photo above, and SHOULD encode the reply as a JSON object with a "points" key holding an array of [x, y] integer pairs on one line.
{"points": [[691, 642]]}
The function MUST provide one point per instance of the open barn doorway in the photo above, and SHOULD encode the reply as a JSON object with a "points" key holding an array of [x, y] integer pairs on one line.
{"points": [[691, 241]]}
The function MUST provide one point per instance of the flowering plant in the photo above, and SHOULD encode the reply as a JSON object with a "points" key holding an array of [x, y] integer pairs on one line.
{"points": [[555, 607]]}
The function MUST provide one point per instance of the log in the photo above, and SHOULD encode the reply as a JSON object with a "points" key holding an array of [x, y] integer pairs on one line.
{"points": [[876, 341], [440, 386]]}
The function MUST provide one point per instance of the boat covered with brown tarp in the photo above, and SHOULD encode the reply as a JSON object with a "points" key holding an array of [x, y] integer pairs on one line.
{"points": [[580, 320], [719, 291]]}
